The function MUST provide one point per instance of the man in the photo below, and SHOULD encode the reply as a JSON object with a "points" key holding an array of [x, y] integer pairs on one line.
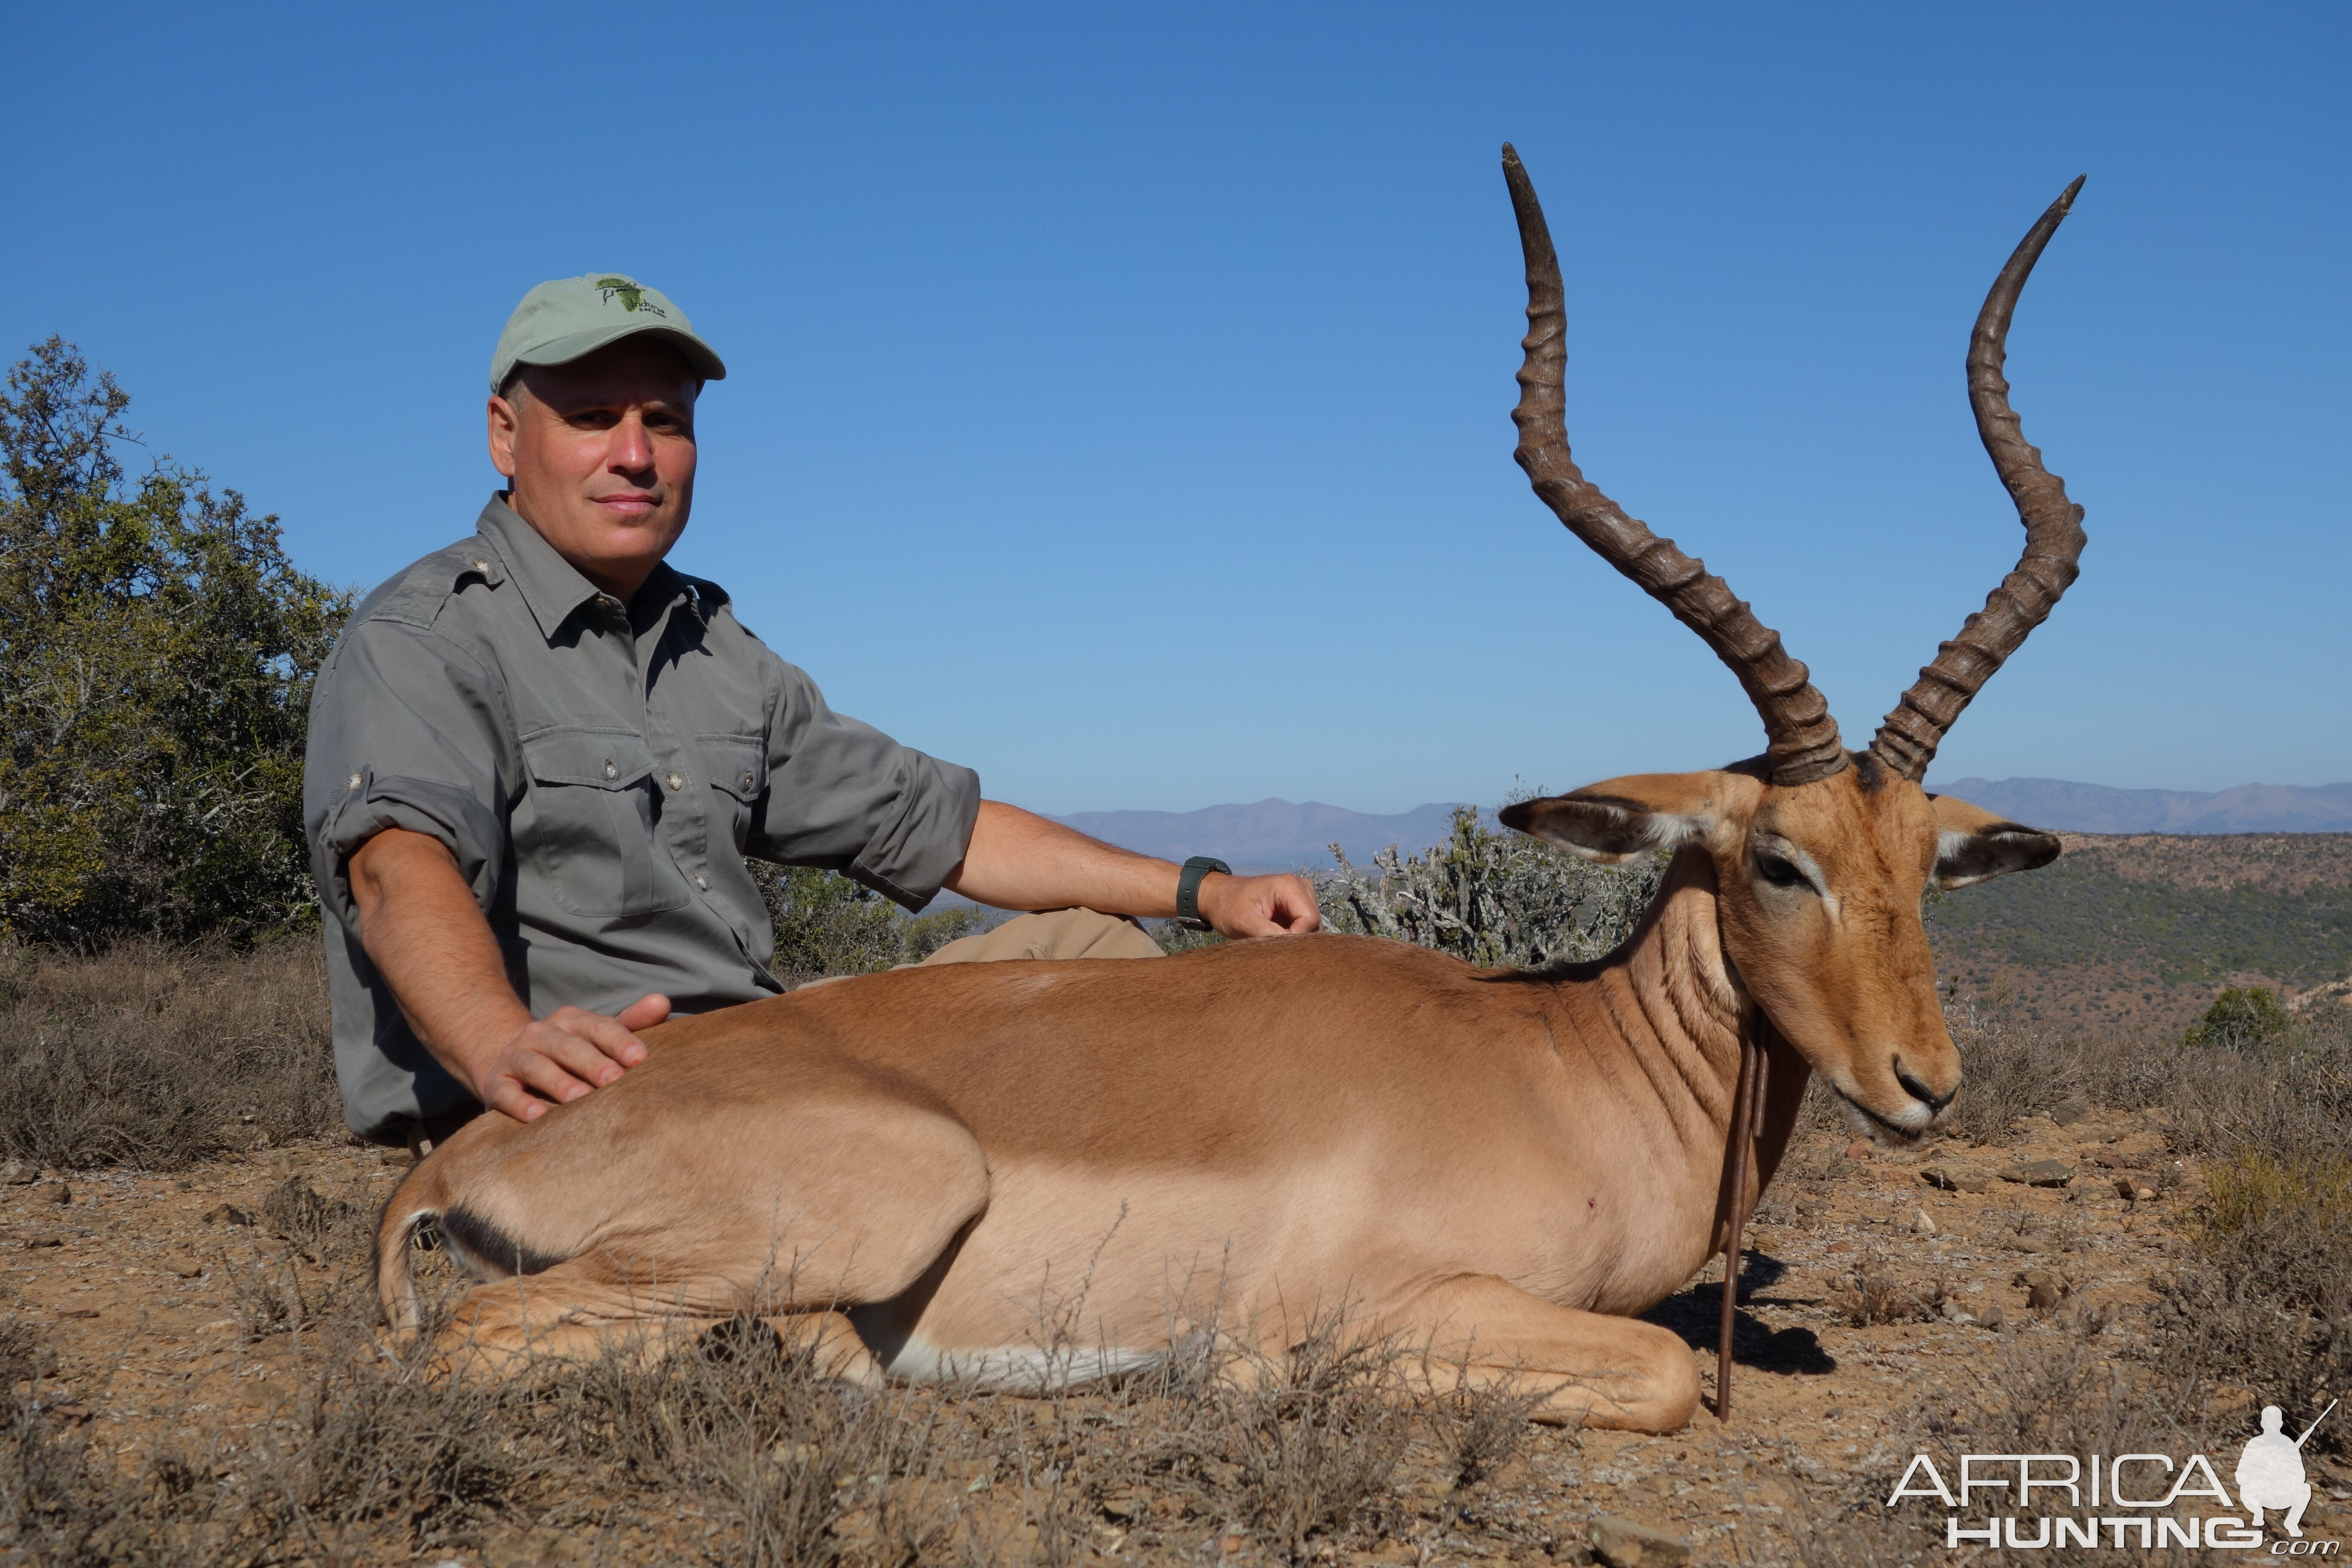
{"points": [[539, 757]]}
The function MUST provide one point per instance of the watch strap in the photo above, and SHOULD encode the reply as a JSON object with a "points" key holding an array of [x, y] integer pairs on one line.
{"points": [[1188, 889]]}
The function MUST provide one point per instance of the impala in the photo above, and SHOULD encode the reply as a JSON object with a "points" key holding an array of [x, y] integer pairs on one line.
{"points": [[1501, 1165]]}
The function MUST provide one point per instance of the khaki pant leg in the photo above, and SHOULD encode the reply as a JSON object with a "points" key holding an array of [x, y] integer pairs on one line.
{"points": [[1060, 933]]}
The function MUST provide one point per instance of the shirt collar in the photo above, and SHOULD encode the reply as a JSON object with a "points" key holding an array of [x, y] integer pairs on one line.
{"points": [[549, 585]]}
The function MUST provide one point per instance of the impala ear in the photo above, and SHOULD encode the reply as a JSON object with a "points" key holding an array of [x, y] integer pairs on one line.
{"points": [[1974, 846], [1615, 820]]}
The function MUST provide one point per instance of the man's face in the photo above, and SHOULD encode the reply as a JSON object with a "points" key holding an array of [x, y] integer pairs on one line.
{"points": [[601, 454]]}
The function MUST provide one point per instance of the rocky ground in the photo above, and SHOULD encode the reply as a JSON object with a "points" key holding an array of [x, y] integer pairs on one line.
{"points": [[182, 1313]]}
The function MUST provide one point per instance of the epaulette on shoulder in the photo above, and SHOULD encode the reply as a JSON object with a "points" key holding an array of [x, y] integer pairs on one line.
{"points": [[418, 594]]}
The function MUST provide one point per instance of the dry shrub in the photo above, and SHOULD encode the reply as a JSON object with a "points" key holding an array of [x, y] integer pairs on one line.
{"points": [[2012, 1071], [1478, 1427], [1874, 1294], [743, 1418], [2251, 1191], [1297, 1444], [155, 1056], [320, 1228]]}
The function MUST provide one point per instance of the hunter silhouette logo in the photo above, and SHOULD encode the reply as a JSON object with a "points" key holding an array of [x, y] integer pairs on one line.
{"points": [[2127, 1501], [631, 295], [2269, 1470]]}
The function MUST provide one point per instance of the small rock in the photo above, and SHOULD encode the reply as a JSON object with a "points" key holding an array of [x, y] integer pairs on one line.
{"points": [[2070, 1111], [2042, 1174], [227, 1214], [1857, 1150], [61, 1195], [17, 1173], [1622, 1543], [77, 1311], [2044, 1289], [1970, 1180], [1992, 1317], [1956, 1313], [1938, 1178], [1922, 1225], [2144, 1195]]}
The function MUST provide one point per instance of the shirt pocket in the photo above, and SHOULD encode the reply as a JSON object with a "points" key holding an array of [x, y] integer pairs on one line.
{"points": [[592, 833], [736, 767]]}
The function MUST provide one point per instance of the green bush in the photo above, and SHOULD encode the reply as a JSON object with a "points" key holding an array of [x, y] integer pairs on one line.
{"points": [[827, 924], [2241, 1018], [1491, 897], [156, 654]]}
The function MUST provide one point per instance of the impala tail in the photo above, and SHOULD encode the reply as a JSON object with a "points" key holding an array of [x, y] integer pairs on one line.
{"points": [[417, 1203]]}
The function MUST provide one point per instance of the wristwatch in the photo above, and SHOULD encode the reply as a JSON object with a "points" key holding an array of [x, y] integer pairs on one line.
{"points": [[1188, 889]]}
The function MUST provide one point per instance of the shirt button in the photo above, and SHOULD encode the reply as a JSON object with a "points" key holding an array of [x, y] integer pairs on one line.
{"points": [[610, 771], [676, 781], [481, 566], [747, 781], [702, 881], [352, 782]]}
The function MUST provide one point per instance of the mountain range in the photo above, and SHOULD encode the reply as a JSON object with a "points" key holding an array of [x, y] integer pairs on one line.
{"points": [[1280, 834], [1273, 835], [2067, 807]]}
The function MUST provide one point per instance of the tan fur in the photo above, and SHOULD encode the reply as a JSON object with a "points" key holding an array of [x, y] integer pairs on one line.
{"points": [[976, 1164]]}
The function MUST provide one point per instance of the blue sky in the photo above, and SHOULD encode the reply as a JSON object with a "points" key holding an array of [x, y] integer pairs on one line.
{"points": [[1121, 396]]}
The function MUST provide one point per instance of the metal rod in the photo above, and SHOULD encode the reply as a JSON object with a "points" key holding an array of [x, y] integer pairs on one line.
{"points": [[1746, 1112]]}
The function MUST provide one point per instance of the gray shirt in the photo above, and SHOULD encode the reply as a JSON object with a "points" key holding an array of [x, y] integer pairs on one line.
{"points": [[600, 771]]}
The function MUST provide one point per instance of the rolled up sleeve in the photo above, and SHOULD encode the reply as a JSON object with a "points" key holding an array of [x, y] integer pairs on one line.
{"points": [[846, 797], [405, 733]]}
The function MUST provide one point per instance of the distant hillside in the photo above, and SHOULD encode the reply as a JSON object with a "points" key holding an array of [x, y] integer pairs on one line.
{"points": [[1273, 835], [2141, 931], [2094, 808]]}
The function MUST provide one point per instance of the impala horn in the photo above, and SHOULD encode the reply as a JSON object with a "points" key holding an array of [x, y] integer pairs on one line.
{"points": [[1803, 736], [1907, 741]]}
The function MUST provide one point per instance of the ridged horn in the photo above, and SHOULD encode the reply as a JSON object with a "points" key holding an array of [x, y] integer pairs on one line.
{"points": [[1907, 741], [1803, 737]]}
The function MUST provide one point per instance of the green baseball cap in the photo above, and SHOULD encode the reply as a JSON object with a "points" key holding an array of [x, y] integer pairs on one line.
{"points": [[559, 320]]}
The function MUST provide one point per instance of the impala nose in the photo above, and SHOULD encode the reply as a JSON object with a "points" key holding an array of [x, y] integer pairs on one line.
{"points": [[1919, 1091]]}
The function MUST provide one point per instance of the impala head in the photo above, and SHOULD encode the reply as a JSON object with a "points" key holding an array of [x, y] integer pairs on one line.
{"points": [[1821, 855]]}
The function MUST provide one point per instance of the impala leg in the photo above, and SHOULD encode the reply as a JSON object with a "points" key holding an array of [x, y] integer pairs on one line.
{"points": [[1593, 1368], [577, 1312]]}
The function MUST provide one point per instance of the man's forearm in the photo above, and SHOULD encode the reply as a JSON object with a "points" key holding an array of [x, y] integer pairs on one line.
{"points": [[1018, 861], [426, 936]]}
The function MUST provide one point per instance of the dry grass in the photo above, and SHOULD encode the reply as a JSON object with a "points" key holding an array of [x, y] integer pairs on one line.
{"points": [[739, 1451], [155, 1057]]}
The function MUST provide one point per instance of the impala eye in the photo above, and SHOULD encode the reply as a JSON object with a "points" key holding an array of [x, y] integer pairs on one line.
{"points": [[1780, 872]]}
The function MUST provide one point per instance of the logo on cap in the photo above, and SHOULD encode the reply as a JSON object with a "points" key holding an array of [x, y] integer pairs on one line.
{"points": [[632, 295]]}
